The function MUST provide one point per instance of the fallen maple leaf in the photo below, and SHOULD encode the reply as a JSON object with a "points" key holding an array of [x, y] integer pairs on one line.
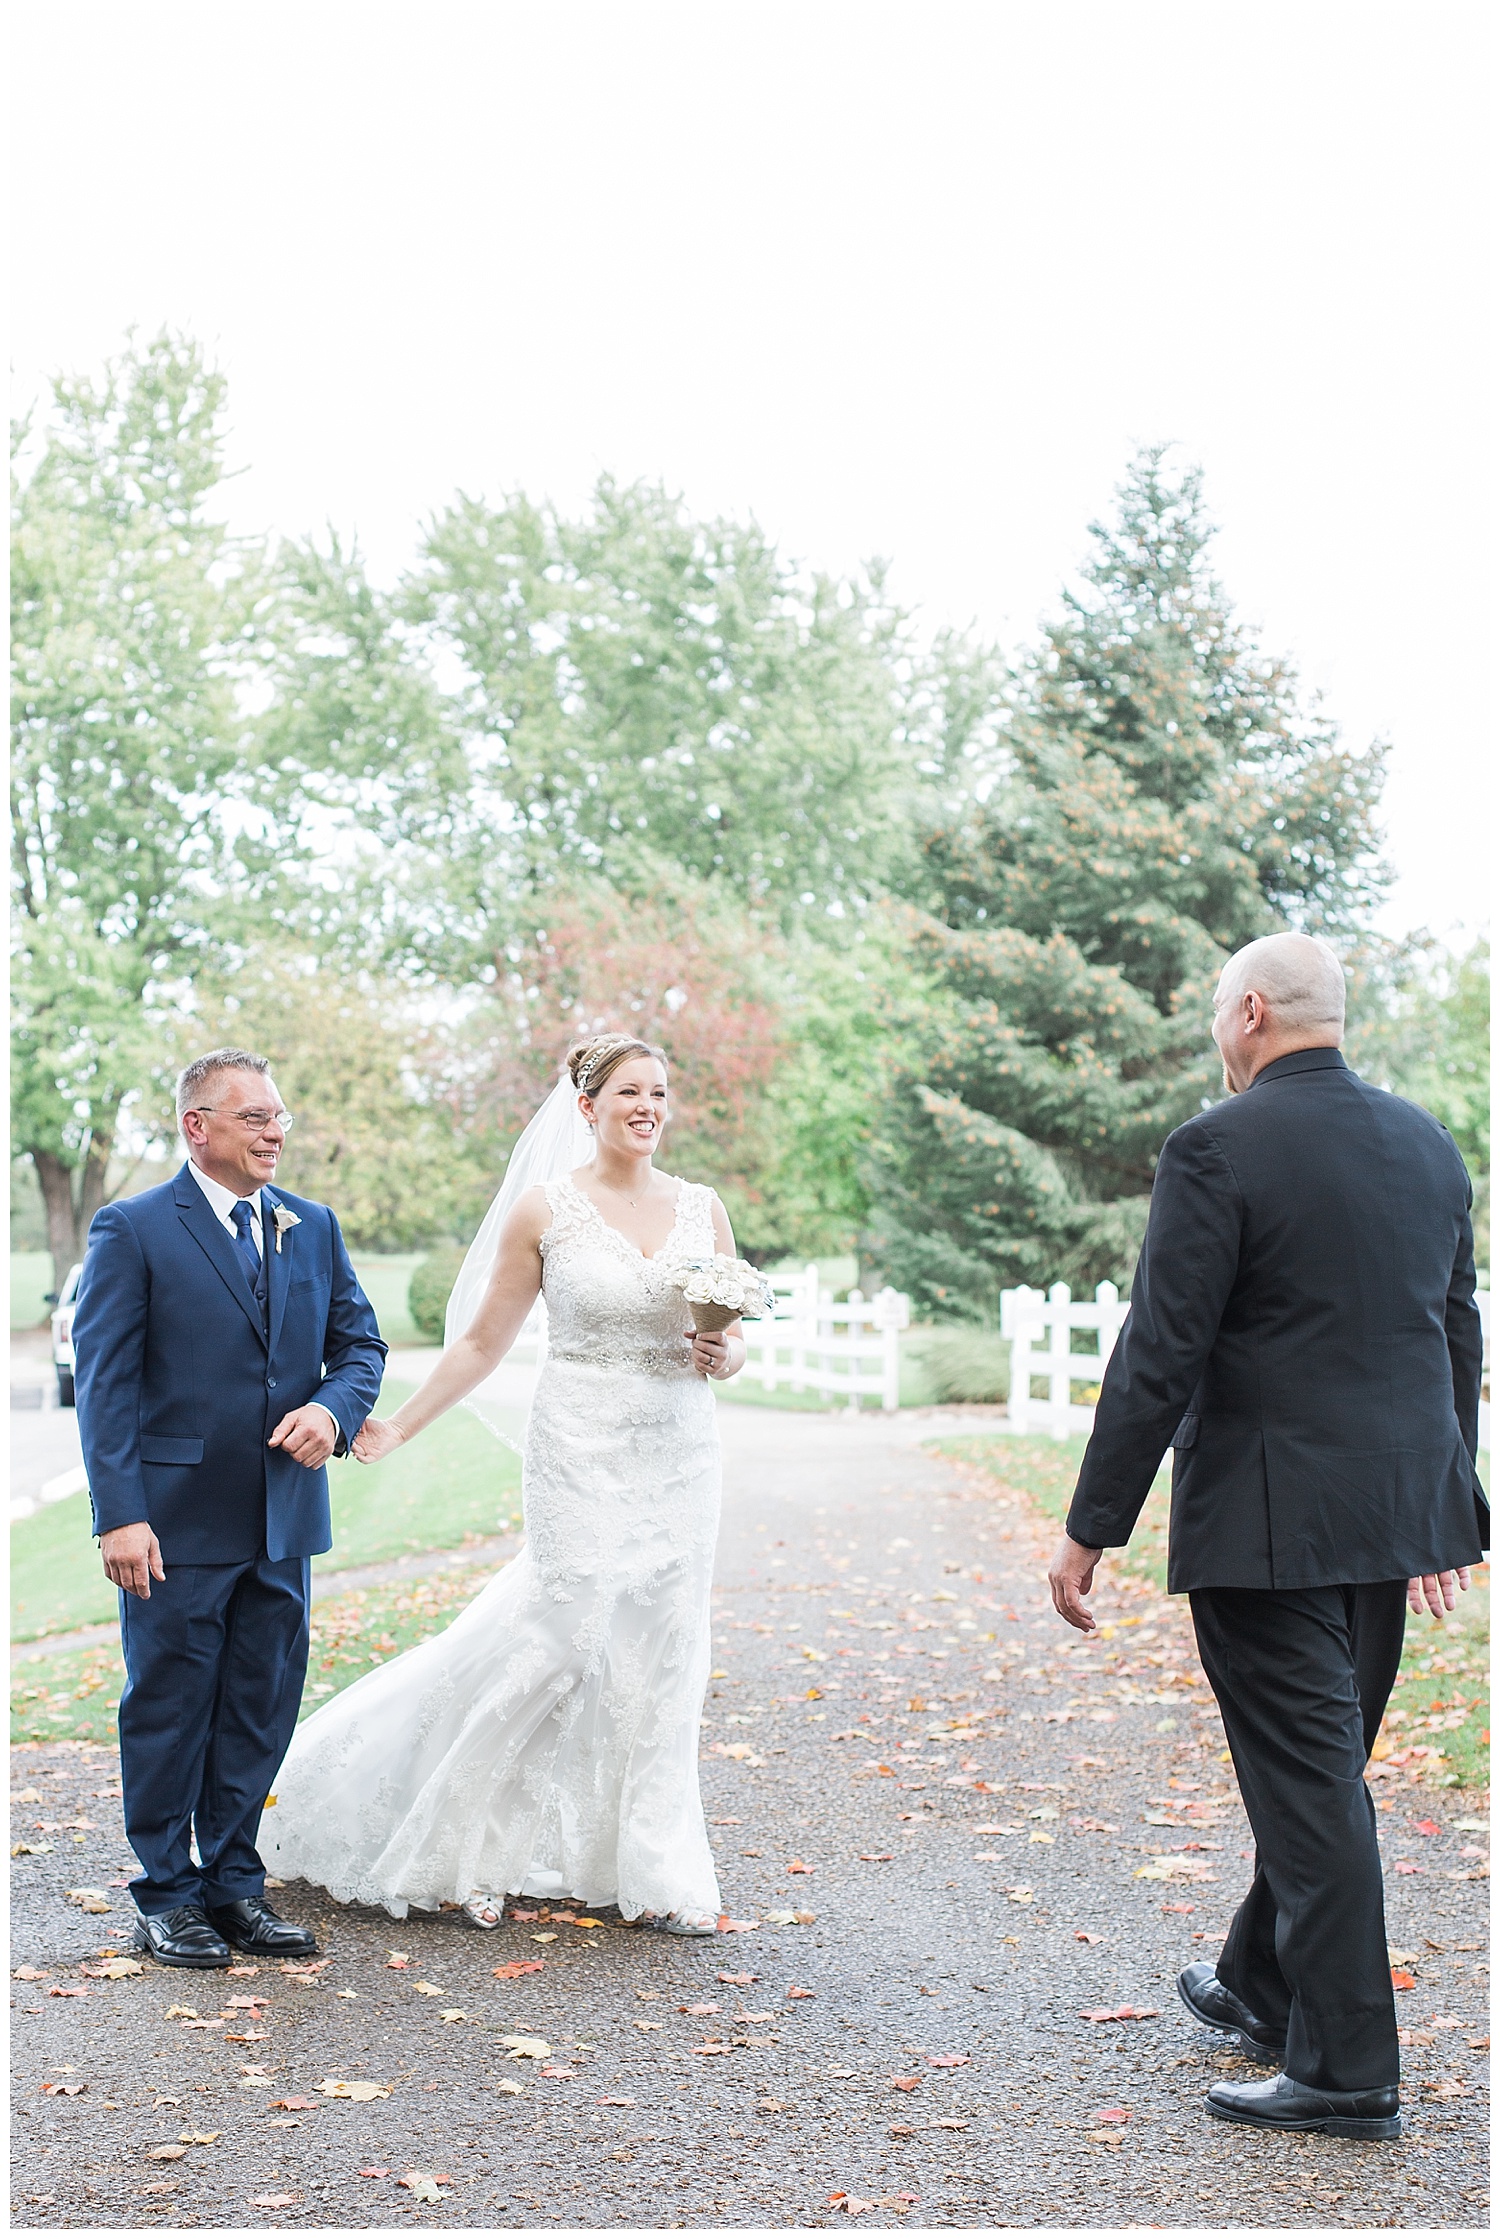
{"points": [[728, 1927], [513, 1967], [1121, 2013], [276, 2200], [374, 2172], [616, 2102], [63, 2091], [31, 1974], [1403, 1979], [1449, 2088], [562, 2074], [794, 1992], [797, 1867], [167, 2153], [709, 2052], [527, 2048], [905, 2083], [512, 2090], [1425, 1827], [294, 2106], [738, 1980], [876, 1857], [114, 1970], [197, 2137], [333, 2087], [848, 2202], [698, 2009], [1086, 1936], [430, 1989], [420, 2185], [1110, 2114], [947, 2060], [66, 1990], [1405, 1866]]}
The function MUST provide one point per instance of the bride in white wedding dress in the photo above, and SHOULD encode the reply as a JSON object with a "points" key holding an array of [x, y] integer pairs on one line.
{"points": [[546, 1744]]}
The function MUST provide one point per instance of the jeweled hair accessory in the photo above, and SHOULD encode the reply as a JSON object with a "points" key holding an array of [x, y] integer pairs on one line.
{"points": [[620, 1042]]}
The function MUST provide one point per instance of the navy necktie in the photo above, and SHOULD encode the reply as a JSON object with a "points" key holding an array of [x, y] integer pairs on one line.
{"points": [[244, 1242]]}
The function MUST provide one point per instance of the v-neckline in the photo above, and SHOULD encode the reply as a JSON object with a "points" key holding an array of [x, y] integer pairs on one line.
{"points": [[647, 1259]]}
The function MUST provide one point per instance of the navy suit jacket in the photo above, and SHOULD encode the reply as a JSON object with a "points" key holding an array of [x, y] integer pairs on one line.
{"points": [[1303, 1331], [179, 1385]]}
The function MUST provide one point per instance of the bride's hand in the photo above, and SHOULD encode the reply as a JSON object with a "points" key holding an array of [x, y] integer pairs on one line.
{"points": [[711, 1355], [376, 1439]]}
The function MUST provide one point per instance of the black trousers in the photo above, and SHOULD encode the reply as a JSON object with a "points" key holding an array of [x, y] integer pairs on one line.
{"points": [[1302, 1680], [214, 1665]]}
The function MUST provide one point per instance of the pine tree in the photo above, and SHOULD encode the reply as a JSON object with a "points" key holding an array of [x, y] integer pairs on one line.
{"points": [[1165, 797]]}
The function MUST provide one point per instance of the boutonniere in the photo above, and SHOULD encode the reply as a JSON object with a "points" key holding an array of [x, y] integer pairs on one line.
{"points": [[284, 1218]]}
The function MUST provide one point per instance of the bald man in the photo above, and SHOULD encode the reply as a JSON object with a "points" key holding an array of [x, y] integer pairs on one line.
{"points": [[1303, 1333]]}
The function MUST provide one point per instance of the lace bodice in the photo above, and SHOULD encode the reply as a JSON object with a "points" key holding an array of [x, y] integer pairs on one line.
{"points": [[607, 1304]]}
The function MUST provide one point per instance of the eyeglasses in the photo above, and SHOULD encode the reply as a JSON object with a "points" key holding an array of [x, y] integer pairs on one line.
{"points": [[255, 1121]]}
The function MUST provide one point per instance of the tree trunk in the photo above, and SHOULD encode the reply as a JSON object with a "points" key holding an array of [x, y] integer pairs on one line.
{"points": [[72, 1196]]}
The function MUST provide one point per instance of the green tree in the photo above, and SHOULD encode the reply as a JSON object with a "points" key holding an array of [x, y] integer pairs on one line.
{"points": [[1164, 798], [367, 1076], [132, 622], [646, 691], [1420, 1026]]}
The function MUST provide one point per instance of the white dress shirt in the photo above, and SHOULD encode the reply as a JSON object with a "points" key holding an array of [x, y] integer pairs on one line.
{"points": [[223, 1202]]}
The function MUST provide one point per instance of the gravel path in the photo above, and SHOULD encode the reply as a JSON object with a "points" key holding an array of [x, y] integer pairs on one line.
{"points": [[1004, 1833]]}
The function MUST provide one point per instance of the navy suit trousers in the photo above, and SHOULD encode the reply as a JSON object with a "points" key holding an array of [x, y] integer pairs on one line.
{"points": [[214, 1666]]}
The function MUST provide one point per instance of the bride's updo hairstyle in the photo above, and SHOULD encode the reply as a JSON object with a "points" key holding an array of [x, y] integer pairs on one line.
{"points": [[590, 1063]]}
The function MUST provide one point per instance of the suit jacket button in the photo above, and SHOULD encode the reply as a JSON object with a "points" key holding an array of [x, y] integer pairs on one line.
{"points": [[270, 1383]]}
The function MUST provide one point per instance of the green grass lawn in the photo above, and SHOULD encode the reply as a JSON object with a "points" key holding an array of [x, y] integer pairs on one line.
{"points": [[383, 1277], [74, 1696], [1438, 1723], [30, 1279], [455, 1484]]}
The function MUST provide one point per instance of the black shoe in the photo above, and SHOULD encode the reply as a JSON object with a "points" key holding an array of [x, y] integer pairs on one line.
{"points": [[250, 1925], [182, 1937], [1276, 2103], [1208, 2001]]}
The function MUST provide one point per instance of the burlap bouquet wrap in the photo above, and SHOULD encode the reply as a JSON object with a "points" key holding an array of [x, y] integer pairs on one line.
{"points": [[721, 1290]]}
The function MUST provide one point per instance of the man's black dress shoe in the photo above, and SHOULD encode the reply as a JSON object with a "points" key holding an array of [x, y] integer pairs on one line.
{"points": [[1208, 2001], [250, 1925], [1277, 2103], [182, 1937]]}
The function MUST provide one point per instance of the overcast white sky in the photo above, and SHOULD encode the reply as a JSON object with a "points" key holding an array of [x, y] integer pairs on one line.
{"points": [[909, 280]]}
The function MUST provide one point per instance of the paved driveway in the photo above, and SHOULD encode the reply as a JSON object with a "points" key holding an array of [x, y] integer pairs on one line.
{"points": [[1005, 1836]]}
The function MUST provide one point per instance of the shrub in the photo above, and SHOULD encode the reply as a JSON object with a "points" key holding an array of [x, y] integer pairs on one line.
{"points": [[960, 1363], [432, 1281]]}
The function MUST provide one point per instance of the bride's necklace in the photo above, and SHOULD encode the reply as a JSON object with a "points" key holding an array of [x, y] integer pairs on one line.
{"points": [[602, 1184]]}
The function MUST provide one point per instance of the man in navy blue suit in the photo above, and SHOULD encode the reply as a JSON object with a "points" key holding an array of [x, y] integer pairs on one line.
{"points": [[224, 1351]]}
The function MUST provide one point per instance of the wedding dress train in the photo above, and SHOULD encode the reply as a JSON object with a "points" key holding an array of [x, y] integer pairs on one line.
{"points": [[547, 1742]]}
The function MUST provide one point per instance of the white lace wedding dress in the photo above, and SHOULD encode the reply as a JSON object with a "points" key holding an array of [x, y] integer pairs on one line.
{"points": [[547, 1742]]}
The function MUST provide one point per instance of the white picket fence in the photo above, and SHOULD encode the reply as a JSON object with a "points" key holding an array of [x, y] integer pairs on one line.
{"points": [[842, 1348], [1040, 1326]]}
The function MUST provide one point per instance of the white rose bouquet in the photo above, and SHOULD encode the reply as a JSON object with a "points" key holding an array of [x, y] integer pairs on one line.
{"points": [[722, 1290]]}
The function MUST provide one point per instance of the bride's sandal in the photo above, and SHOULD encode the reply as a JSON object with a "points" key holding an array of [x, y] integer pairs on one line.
{"points": [[484, 1912], [690, 1923]]}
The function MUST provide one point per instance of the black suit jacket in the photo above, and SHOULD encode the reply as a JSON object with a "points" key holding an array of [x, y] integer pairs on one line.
{"points": [[1303, 1331]]}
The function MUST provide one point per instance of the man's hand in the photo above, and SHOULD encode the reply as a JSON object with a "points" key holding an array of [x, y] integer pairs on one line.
{"points": [[309, 1435], [1438, 1591], [132, 1558], [1071, 1576]]}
